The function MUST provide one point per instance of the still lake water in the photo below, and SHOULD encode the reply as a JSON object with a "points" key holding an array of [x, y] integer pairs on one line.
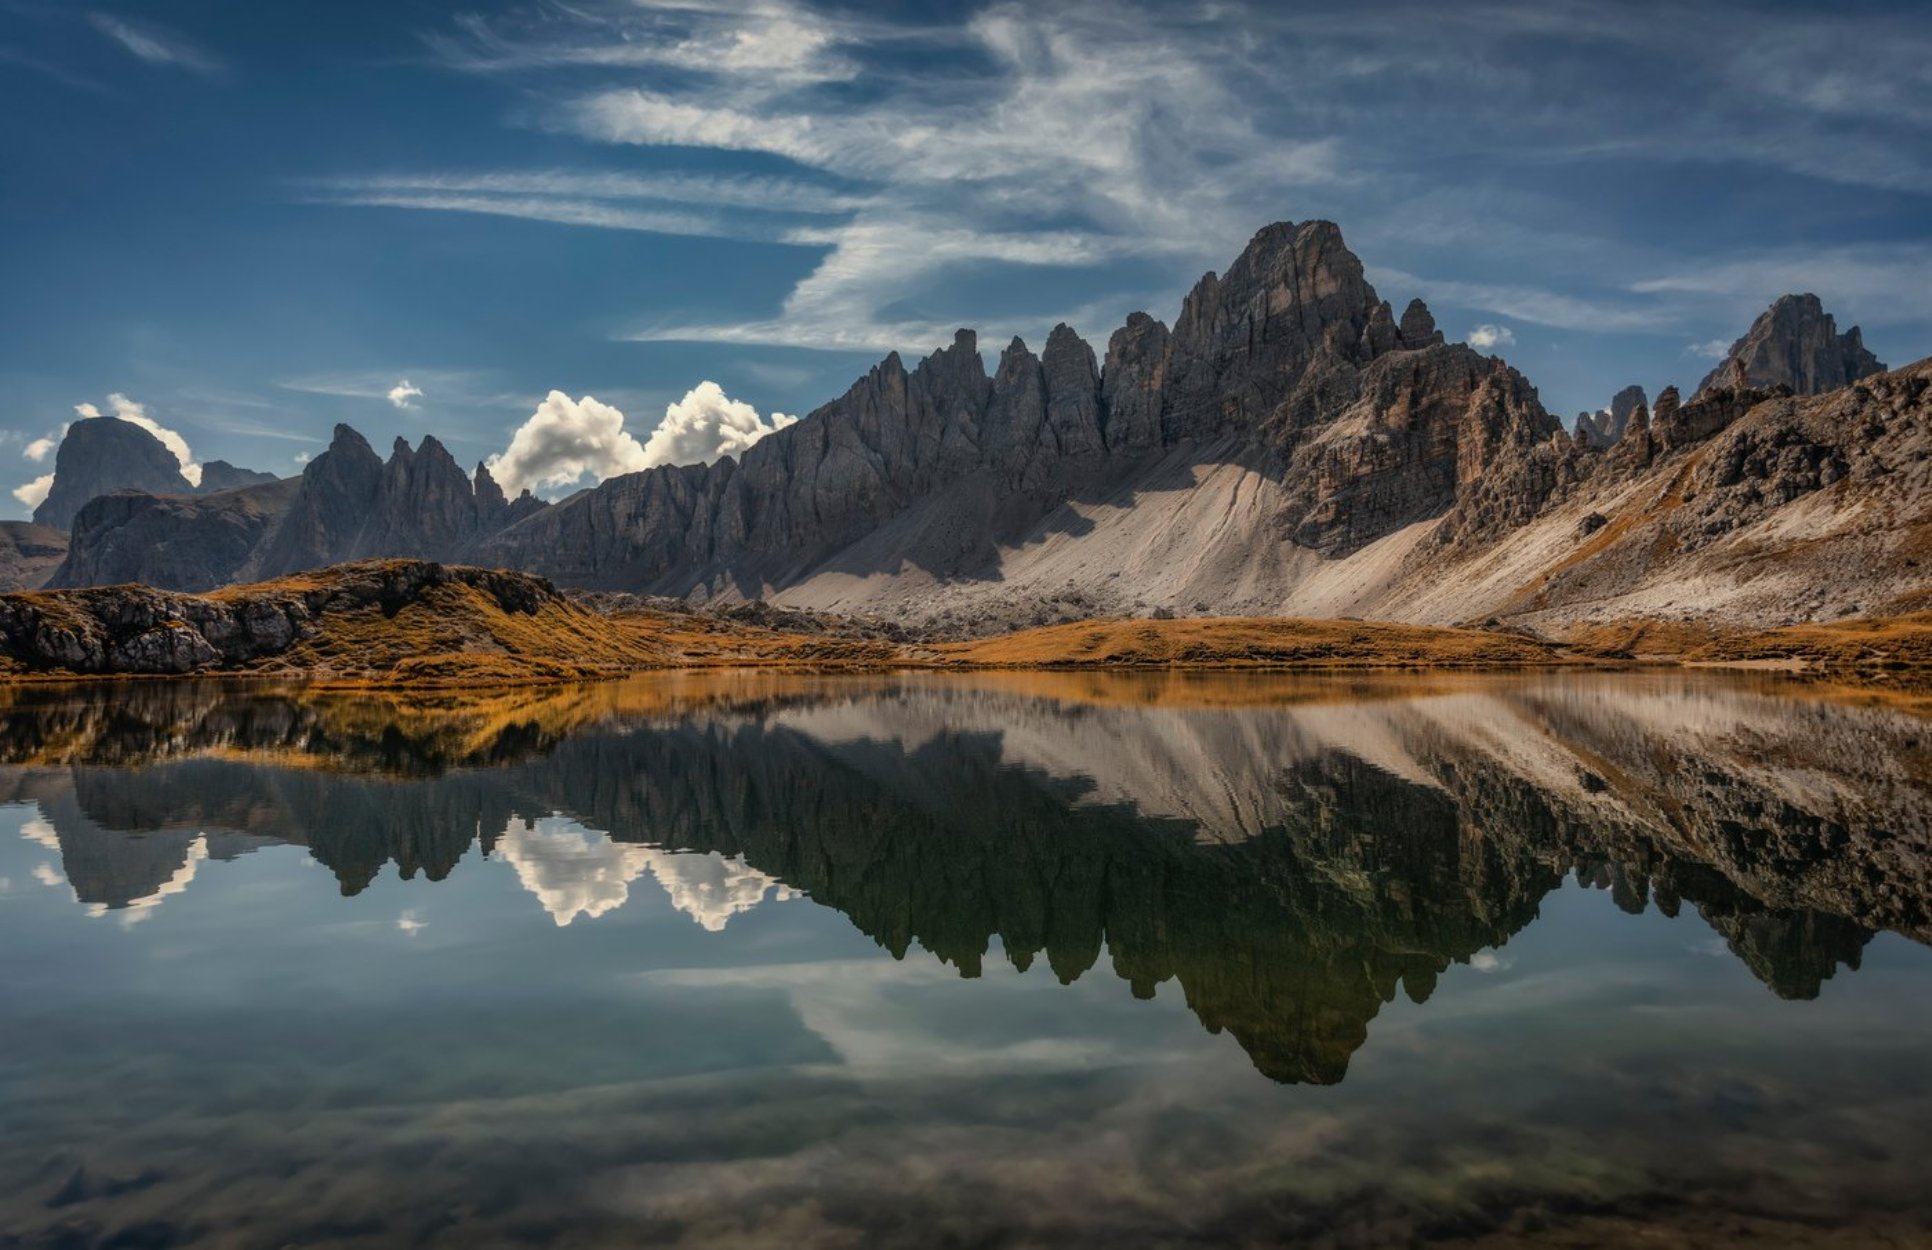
{"points": [[1000, 961]]}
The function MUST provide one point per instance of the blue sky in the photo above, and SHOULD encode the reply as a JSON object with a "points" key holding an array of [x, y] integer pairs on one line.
{"points": [[255, 220]]}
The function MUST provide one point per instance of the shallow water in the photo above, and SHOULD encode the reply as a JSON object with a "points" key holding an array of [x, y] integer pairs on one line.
{"points": [[1008, 960]]}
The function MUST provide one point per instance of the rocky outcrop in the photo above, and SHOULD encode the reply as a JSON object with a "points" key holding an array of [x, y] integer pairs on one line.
{"points": [[1602, 429], [1794, 344], [100, 455], [137, 629], [171, 541]]}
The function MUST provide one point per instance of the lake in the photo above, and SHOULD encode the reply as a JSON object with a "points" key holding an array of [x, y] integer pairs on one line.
{"points": [[745, 959]]}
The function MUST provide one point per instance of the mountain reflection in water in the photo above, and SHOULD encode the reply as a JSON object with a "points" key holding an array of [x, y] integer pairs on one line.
{"points": [[1288, 853], [1289, 866]]}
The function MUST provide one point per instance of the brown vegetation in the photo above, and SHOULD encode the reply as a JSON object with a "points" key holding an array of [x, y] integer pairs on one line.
{"points": [[1245, 642], [415, 624]]}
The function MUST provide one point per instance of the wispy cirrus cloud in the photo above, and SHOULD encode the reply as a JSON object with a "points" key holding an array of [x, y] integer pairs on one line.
{"points": [[1114, 151], [158, 45], [752, 207]]}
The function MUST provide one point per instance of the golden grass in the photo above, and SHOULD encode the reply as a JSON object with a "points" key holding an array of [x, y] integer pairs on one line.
{"points": [[1245, 642], [457, 633], [453, 634]]}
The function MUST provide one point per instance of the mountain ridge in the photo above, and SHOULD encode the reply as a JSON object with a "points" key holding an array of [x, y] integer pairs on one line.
{"points": [[1288, 447]]}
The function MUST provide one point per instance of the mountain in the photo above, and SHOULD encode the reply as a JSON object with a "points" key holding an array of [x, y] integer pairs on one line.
{"points": [[102, 455], [219, 475], [1796, 344], [1286, 418], [1288, 447], [1601, 429], [348, 504]]}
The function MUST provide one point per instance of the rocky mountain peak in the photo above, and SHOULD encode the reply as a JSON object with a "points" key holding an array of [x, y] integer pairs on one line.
{"points": [[101, 455], [219, 475], [1603, 429], [488, 493], [1418, 328], [1795, 343]]}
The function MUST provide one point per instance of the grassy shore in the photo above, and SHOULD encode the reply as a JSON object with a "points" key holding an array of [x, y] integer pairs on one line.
{"points": [[411, 624]]}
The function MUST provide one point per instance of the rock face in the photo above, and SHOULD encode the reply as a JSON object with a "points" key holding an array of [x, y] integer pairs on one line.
{"points": [[1289, 359], [100, 455], [348, 504], [1795, 344], [1602, 429], [136, 629]]}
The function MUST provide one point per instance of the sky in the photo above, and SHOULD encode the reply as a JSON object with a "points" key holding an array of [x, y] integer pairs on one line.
{"points": [[579, 237]]}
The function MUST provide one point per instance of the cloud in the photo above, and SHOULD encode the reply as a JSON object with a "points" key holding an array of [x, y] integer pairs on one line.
{"points": [[1710, 349], [777, 41], [706, 425], [1487, 337], [38, 450], [157, 46], [34, 493], [1894, 277], [1159, 137], [697, 205], [1064, 137], [566, 440], [410, 924], [402, 392], [137, 414]]}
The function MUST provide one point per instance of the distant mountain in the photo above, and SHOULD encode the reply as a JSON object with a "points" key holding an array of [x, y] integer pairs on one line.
{"points": [[1288, 447], [101, 455], [219, 475], [1795, 344], [348, 504], [1603, 429]]}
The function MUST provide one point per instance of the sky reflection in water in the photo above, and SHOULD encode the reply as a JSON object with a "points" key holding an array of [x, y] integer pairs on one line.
{"points": [[753, 960]]}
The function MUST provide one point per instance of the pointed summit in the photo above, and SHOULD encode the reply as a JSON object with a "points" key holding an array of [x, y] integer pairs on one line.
{"points": [[1419, 326], [1795, 343]]}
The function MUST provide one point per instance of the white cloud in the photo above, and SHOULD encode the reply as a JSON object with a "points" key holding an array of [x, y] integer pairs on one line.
{"points": [[1077, 139], [34, 493], [1487, 337], [157, 46], [775, 40], [706, 206], [402, 392], [576, 872], [706, 425], [410, 925], [38, 450], [1710, 349], [137, 414], [566, 440], [303, 457]]}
